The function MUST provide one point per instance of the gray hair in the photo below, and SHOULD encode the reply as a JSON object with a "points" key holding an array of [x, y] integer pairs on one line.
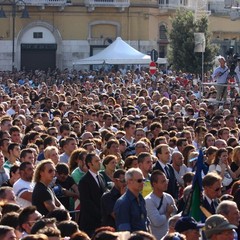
{"points": [[130, 172], [223, 207]]}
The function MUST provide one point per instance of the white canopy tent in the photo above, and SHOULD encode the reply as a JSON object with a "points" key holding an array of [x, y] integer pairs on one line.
{"points": [[119, 52]]}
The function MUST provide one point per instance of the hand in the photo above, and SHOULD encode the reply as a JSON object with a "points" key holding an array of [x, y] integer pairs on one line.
{"points": [[169, 211]]}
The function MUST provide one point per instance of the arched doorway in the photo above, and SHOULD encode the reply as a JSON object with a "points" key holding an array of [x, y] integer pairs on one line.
{"points": [[39, 47]]}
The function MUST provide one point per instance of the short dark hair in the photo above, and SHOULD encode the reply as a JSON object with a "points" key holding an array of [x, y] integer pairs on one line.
{"points": [[210, 179], [142, 156], [12, 146], [67, 228], [24, 152], [24, 215], [89, 158], [23, 165], [59, 214], [154, 176], [4, 230], [62, 168], [118, 173]]}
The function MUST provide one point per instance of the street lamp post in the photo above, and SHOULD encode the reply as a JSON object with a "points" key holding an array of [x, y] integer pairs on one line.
{"points": [[13, 4]]}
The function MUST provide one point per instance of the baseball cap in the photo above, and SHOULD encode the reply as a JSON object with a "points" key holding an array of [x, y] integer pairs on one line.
{"points": [[187, 223], [216, 224]]}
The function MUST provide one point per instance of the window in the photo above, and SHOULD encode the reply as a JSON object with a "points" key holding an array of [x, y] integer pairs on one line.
{"points": [[163, 32], [37, 35]]}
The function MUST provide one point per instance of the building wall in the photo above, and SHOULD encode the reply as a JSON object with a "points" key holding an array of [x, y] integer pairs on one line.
{"points": [[77, 28]]}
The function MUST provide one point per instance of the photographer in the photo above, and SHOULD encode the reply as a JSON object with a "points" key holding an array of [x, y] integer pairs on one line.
{"points": [[221, 76]]}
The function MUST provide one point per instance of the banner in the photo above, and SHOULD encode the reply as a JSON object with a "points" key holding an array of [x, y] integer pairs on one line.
{"points": [[199, 39]]}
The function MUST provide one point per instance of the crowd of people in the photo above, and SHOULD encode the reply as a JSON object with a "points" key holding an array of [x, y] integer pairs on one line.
{"points": [[112, 155]]}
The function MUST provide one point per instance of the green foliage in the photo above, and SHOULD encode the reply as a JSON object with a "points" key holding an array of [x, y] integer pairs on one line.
{"points": [[181, 53]]}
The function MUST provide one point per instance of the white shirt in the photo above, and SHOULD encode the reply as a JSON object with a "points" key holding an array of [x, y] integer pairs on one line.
{"points": [[19, 187]]}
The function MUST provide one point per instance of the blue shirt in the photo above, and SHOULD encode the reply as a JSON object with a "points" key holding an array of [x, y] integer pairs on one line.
{"points": [[130, 213]]}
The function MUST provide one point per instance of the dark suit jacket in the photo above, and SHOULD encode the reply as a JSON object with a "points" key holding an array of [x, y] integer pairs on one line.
{"points": [[172, 184], [206, 205], [90, 196]]}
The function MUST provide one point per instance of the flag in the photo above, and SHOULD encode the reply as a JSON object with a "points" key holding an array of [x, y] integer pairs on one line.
{"points": [[192, 206]]}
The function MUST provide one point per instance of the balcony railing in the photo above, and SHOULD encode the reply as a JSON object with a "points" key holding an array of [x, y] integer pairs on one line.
{"points": [[47, 2], [107, 3], [218, 8], [173, 4]]}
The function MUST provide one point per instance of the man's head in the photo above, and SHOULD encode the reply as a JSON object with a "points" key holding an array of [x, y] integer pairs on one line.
{"points": [[163, 153], [15, 133], [44, 172], [93, 162], [141, 147], [26, 171], [7, 233], [7, 195], [135, 180], [189, 227], [230, 211], [27, 155], [212, 184], [145, 162], [69, 145], [159, 181], [177, 159], [14, 150], [119, 180], [217, 227], [27, 217], [130, 127]]}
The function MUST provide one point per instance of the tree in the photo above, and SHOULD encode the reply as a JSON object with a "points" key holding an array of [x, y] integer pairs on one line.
{"points": [[181, 54]]}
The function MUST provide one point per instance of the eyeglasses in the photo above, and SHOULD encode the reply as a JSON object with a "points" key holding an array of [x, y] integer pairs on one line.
{"points": [[121, 180], [140, 180], [217, 189]]}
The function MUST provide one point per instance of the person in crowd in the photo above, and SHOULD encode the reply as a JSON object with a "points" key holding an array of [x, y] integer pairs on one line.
{"points": [[23, 187], [109, 199], [189, 227], [217, 227], [212, 184], [163, 155], [221, 166], [91, 188], [43, 197], [27, 217], [130, 210], [65, 186], [230, 211], [159, 204]]}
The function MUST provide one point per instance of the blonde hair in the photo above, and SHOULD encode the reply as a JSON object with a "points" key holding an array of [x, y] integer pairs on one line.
{"points": [[47, 151], [40, 168]]}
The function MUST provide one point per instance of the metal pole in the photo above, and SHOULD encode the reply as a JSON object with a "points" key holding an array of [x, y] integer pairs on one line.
{"points": [[13, 34], [201, 86]]}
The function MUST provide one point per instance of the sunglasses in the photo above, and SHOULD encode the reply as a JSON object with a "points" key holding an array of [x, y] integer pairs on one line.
{"points": [[217, 189], [140, 180], [121, 180]]}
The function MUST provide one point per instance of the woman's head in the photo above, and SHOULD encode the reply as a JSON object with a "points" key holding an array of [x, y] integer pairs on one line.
{"points": [[110, 161], [209, 140], [221, 156]]}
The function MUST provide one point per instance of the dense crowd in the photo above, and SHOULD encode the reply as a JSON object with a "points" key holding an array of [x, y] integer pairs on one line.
{"points": [[112, 155]]}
